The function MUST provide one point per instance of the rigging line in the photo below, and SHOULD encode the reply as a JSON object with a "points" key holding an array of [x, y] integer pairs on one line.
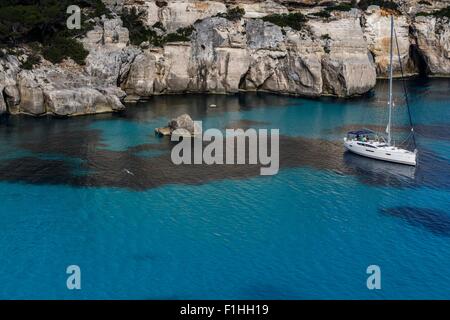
{"points": [[404, 88]]}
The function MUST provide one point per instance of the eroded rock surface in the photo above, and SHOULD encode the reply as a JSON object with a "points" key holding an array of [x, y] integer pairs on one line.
{"points": [[68, 89], [341, 55], [433, 43], [376, 24]]}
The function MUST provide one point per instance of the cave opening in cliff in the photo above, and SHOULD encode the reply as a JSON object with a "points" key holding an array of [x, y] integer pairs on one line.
{"points": [[3, 96], [418, 60]]}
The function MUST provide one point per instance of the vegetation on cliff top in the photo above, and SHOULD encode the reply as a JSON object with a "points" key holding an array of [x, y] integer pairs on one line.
{"points": [[321, 14], [44, 21], [442, 13], [361, 5], [182, 34], [32, 60], [63, 47], [385, 4], [233, 14], [346, 6], [294, 20], [326, 13]]}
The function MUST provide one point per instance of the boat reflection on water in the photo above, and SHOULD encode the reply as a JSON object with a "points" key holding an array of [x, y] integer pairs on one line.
{"points": [[377, 171]]}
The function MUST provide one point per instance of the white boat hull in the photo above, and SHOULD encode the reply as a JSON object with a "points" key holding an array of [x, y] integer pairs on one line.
{"points": [[384, 153]]}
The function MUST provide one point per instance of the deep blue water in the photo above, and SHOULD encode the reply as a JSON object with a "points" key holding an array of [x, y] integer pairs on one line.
{"points": [[162, 232]]}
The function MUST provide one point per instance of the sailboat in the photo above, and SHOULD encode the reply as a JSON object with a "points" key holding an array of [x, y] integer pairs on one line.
{"points": [[370, 144]]}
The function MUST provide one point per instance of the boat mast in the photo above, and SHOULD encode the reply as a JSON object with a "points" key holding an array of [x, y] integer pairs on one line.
{"points": [[390, 80]]}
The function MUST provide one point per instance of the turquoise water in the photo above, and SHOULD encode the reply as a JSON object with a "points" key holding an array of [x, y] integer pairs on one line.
{"points": [[99, 192]]}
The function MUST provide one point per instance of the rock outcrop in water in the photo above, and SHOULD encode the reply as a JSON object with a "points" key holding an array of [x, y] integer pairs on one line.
{"points": [[340, 55], [182, 125]]}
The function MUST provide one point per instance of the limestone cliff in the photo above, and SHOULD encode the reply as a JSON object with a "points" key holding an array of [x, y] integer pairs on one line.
{"points": [[336, 52], [68, 89], [432, 36], [250, 54]]}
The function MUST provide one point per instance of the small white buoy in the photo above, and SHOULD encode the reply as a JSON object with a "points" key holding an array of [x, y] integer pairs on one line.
{"points": [[129, 172], [213, 106]]}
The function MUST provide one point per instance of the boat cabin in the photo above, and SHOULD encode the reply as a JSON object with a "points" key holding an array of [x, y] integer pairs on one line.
{"points": [[364, 135]]}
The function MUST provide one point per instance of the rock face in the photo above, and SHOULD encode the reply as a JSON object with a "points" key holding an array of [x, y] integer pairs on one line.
{"points": [[176, 14], [141, 80], [31, 95], [110, 57], [68, 89], [433, 43], [214, 61], [289, 63], [50, 90], [80, 101], [262, 9], [9, 92], [160, 71], [219, 55], [3, 107], [376, 24], [226, 56], [347, 68]]}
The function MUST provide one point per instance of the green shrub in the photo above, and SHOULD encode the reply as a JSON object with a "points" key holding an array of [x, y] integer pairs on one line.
{"points": [[61, 48], [326, 13], [161, 3], [340, 7], [385, 4], [174, 37], [31, 61], [39, 20], [100, 9], [159, 25], [233, 14], [445, 12], [182, 34], [442, 13], [138, 32], [44, 21], [423, 14], [426, 3], [294, 20], [186, 32], [321, 14]]}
